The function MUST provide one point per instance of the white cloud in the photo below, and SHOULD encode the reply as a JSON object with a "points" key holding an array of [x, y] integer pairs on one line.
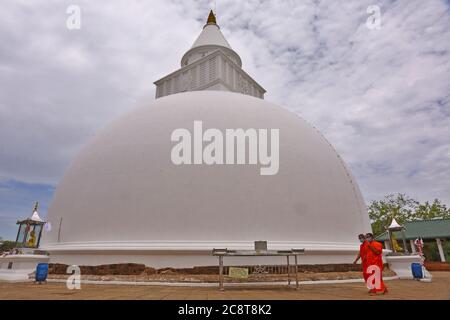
{"points": [[380, 96]]}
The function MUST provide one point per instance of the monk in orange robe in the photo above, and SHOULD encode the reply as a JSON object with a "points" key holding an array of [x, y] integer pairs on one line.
{"points": [[362, 255], [374, 260]]}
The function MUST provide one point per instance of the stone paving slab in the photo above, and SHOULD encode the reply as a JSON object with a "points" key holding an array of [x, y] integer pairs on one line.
{"points": [[398, 289]]}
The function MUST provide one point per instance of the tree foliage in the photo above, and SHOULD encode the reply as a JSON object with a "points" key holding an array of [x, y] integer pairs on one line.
{"points": [[403, 208], [7, 245]]}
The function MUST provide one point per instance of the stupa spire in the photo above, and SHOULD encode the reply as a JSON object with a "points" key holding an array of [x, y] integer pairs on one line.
{"points": [[210, 64], [211, 18]]}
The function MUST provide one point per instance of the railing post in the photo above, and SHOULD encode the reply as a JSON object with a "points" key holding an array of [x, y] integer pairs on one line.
{"points": [[288, 271], [221, 273]]}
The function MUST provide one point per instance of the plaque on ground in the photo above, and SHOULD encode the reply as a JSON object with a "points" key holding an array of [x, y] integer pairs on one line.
{"points": [[235, 272]]}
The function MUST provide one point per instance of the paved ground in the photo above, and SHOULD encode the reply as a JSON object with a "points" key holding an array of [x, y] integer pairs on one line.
{"points": [[398, 289]]}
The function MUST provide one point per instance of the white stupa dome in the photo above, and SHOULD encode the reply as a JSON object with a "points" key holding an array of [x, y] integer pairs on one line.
{"points": [[123, 193], [125, 199]]}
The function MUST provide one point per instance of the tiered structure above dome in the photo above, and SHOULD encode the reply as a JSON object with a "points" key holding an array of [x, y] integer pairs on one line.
{"points": [[210, 64]]}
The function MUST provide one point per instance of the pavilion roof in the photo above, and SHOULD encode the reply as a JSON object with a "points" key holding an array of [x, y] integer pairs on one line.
{"points": [[425, 229]]}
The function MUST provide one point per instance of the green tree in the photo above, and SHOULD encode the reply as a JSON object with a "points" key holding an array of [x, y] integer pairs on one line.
{"points": [[431, 211], [7, 245], [404, 208], [381, 212]]}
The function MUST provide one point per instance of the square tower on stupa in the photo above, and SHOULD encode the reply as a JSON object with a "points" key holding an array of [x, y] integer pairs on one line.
{"points": [[210, 64]]}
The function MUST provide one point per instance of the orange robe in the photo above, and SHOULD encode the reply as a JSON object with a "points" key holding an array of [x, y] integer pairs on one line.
{"points": [[373, 258], [363, 254]]}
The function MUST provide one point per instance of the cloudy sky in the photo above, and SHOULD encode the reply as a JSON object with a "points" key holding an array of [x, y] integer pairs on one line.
{"points": [[381, 96]]}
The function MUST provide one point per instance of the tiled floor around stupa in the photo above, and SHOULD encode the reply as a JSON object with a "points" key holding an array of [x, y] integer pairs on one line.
{"points": [[398, 289]]}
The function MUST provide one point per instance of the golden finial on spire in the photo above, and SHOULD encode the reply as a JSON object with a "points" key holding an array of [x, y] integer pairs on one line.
{"points": [[211, 18], [36, 206]]}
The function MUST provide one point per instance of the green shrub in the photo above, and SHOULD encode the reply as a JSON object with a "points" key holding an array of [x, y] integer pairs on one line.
{"points": [[7, 245]]}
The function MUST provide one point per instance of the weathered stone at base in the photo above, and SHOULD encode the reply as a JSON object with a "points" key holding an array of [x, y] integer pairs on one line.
{"points": [[150, 270], [107, 269], [437, 266], [138, 269]]}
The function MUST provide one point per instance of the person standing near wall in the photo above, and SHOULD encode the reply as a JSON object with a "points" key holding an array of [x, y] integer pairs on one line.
{"points": [[374, 266]]}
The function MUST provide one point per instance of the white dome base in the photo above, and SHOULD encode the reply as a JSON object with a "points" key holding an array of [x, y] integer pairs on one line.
{"points": [[169, 254], [124, 200], [190, 260]]}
